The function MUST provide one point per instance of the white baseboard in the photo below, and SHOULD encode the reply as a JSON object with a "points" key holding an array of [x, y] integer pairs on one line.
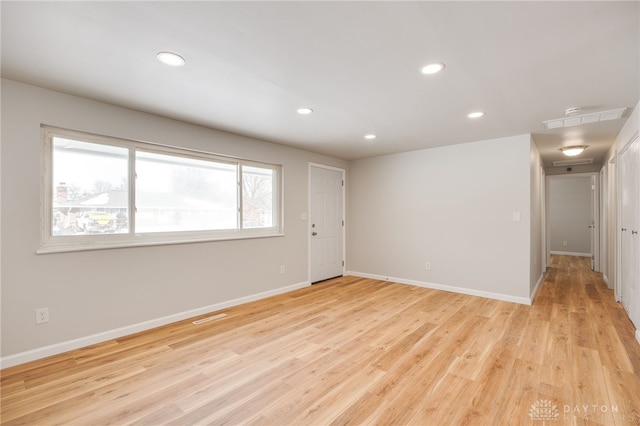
{"points": [[570, 253], [606, 281], [69, 345], [532, 297], [453, 289]]}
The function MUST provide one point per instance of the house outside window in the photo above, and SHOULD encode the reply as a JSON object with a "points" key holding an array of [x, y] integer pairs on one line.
{"points": [[103, 192]]}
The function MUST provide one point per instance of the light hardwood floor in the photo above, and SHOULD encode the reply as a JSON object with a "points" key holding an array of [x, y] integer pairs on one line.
{"points": [[357, 351]]}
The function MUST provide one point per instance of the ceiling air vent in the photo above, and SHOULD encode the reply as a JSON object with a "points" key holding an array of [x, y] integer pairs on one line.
{"points": [[577, 120], [573, 162]]}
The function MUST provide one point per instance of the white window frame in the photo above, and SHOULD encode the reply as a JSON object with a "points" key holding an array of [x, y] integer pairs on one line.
{"points": [[50, 243]]}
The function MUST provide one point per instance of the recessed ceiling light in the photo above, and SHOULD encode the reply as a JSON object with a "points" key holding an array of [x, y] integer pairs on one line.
{"points": [[432, 68], [476, 114], [304, 111], [572, 151], [172, 59], [370, 136]]}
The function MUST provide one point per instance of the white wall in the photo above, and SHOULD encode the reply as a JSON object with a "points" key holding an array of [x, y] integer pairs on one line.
{"points": [[95, 292], [570, 214], [537, 255], [451, 206]]}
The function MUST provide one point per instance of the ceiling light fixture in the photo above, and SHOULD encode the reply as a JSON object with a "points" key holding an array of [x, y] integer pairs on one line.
{"points": [[172, 59], [304, 111], [576, 120], [572, 151], [432, 68], [370, 136], [476, 114]]}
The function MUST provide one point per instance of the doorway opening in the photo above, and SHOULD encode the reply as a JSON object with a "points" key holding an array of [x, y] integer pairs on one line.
{"points": [[572, 218]]}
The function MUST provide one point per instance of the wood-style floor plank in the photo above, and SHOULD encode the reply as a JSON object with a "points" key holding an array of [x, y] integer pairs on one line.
{"points": [[355, 351]]}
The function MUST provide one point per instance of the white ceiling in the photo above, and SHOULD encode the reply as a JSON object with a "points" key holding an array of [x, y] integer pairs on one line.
{"points": [[250, 65]]}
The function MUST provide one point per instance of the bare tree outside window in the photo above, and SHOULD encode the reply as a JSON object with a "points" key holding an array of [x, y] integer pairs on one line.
{"points": [[257, 197], [89, 188]]}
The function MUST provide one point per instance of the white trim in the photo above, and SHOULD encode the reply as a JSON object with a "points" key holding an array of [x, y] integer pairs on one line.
{"points": [[606, 281], [603, 228], [613, 206], [543, 219], [532, 297], [570, 253], [69, 345], [453, 289], [186, 240], [597, 231], [324, 166]]}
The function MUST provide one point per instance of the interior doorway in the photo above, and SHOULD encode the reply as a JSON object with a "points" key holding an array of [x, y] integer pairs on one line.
{"points": [[572, 219]]}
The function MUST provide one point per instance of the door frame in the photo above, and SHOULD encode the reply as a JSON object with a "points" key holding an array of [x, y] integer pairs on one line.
{"points": [[546, 263], [618, 231], [596, 237], [595, 249], [308, 214], [612, 225], [604, 217]]}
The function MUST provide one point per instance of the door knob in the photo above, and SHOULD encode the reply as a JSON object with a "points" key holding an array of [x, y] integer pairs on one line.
{"points": [[314, 233], [634, 232]]}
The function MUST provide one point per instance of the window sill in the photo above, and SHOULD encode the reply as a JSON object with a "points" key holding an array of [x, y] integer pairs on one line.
{"points": [[59, 247]]}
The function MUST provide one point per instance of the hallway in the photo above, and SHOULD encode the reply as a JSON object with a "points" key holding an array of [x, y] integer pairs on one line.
{"points": [[592, 344]]}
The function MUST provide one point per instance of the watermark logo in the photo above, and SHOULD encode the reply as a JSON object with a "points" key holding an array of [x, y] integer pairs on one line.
{"points": [[544, 410]]}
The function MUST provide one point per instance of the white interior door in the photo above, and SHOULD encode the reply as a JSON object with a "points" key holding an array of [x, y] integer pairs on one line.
{"points": [[635, 234], [326, 224], [629, 240], [592, 226]]}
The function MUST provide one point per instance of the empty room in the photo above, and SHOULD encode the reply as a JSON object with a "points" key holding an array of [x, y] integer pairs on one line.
{"points": [[313, 213]]}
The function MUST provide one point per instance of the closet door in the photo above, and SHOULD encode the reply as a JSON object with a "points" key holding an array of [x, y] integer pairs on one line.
{"points": [[635, 231], [629, 227]]}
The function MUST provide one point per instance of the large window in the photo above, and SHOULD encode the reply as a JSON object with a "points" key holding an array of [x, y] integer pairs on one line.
{"points": [[102, 192]]}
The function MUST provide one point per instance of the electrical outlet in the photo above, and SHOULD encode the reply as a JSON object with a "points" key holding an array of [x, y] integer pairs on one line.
{"points": [[427, 266], [565, 243], [282, 269], [42, 315]]}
